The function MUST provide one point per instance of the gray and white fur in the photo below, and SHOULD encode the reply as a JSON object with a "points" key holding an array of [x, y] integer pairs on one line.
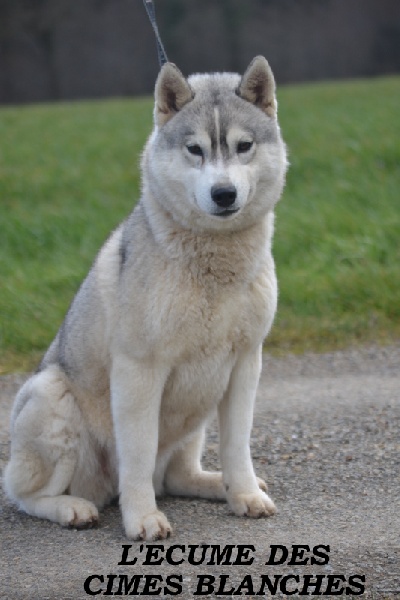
{"points": [[168, 326]]}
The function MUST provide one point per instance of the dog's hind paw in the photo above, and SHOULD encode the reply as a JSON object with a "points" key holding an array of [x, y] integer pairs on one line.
{"points": [[262, 484], [77, 513], [256, 504], [150, 527]]}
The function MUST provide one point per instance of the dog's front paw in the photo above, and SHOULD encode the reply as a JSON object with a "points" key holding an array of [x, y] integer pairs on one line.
{"points": [[150, 527], [256, 504]]}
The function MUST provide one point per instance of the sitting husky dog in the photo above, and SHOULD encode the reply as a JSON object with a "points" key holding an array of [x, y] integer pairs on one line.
{"points": [[168, 326]]}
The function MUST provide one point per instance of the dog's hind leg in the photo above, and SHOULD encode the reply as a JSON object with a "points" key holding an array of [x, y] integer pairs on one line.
{"points": [[185, 477], [47, 431]]}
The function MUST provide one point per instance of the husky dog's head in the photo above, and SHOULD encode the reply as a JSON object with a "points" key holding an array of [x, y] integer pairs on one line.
{"points": [[216, 159]]}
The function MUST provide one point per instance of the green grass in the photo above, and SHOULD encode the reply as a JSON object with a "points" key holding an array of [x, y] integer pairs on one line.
{"points": [[69, 174], [338, 226]]}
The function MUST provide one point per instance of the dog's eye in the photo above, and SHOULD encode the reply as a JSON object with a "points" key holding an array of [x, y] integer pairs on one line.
{"points": [[195, 149], [243, 147]]}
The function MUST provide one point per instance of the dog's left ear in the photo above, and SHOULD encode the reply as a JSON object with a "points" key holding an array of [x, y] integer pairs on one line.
{"points": [[258, 86], [172, 92]]}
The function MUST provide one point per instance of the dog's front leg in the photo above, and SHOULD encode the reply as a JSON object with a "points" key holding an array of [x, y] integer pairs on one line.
{"points": [[235, 422], [136, 391]]}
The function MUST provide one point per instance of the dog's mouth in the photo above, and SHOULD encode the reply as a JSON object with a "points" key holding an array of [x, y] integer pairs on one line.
{"points": [[227, 212]]}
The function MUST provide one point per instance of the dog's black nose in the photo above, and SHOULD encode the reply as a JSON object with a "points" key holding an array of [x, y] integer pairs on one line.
{"points": [[223, 196]]}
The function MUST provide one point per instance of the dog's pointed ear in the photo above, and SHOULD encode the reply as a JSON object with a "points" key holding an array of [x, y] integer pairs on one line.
{"points": [[258, 86], [172, 92]]}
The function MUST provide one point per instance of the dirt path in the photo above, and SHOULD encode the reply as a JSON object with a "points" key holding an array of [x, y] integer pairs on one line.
{"points": [[326, 437]]}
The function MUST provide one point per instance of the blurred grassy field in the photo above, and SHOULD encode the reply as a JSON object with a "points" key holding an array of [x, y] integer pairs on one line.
{"points": [[69, 174]]}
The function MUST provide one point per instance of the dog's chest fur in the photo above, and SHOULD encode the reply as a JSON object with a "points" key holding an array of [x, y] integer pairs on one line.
{"points": [[193, 296]]}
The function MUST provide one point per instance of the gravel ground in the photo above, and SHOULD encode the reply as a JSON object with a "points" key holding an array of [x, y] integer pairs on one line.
{"points": [[326, 438]]}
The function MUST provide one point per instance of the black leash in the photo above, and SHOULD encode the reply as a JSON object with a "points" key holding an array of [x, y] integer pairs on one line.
{"points": [[162, 55]]}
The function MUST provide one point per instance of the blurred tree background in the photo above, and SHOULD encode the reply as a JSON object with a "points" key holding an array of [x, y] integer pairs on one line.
{"points": [[70, 49]]}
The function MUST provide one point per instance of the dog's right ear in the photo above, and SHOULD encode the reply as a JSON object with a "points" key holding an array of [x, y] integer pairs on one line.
{"points": [[172, 92]]}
